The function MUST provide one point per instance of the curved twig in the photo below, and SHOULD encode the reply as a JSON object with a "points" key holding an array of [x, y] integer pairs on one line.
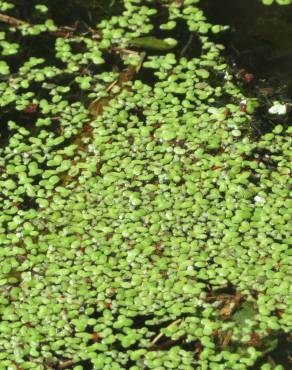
{"points": [[160, 335]]}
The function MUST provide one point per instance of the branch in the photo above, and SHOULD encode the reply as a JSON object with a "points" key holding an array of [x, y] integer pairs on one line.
{"points": [[11, 20], [160, 335], [18, 23], [65, 364]]}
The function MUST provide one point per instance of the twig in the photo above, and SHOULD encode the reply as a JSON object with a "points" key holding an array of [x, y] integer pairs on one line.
{"points": [[226, 339], [96, 106], [18, 23], [124, 51], [108, 89], [185, 48], [111, 85], [11, 20], [65, 364], [142, 57], [160, 335]]}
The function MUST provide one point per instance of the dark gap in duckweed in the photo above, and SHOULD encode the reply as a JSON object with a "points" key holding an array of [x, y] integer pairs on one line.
{"points": [[147, 76], [20, 117], [265, 156], [264, 122], [256, 44], [15, 61], [139, 113], [78, 47], [141, 320], [27, 203], [255, 41], [228, 289], [27, 119], [217, 79], [5, 133], [281, 355], [113, 62], [188, 43], [64, 79], [37, 89], [29, 46], [87, 13]]}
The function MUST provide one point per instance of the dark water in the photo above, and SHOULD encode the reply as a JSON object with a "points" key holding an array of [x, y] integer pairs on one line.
{"points": [[259, 39]]}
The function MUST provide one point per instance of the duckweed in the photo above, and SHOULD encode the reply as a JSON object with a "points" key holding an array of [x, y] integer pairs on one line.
{"points": [[143, 223]]}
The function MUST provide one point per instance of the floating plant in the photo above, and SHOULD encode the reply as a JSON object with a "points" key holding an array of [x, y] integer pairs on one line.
{"points": [[143, 223]]}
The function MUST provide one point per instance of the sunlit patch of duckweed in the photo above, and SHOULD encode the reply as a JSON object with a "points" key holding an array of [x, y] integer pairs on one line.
{"points": [[154, 234], [280, 2]]}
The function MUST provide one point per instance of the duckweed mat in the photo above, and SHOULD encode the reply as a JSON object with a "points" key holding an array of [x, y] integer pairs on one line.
{"points": [[144, 224]]}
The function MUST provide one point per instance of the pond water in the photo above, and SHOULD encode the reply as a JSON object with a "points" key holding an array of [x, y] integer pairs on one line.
{"points": [[259, 39]]}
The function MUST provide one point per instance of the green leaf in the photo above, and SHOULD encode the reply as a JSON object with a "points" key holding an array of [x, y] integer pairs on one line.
{"points": [[4, 68], [152, 43]]}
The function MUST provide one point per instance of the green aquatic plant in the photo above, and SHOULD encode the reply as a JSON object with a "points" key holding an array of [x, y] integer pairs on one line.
{"points": [[280, 2], [153, 43], [143, 223]]}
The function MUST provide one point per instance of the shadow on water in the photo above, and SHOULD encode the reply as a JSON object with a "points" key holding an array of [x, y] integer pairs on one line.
{"points": [[89, 13], [259, 39], [257, 43], [281, 355]]}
